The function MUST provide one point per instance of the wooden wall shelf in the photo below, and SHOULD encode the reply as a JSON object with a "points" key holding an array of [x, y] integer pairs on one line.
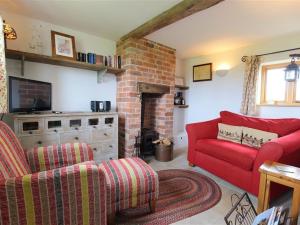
{"points": [[182, 106], [182, 87], [32, 57]]}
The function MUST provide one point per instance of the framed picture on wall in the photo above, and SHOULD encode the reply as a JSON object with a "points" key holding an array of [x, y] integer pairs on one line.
{"points": [[63, 45], [202, 72]]}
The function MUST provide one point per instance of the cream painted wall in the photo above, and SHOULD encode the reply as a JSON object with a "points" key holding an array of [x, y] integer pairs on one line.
{"points": [[207, 99], [73, 89], [179, 114]]}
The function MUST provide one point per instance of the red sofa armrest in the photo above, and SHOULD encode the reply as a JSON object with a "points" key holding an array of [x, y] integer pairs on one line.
{"points": [[201, 130], [289, 143], [270, 151], [274, 151]]}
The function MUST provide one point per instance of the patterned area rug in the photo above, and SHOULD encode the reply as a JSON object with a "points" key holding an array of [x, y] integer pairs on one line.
{"points": [[183, 193]]}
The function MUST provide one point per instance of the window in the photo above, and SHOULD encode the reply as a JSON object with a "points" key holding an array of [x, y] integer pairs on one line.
{"points": [[275, 90]]}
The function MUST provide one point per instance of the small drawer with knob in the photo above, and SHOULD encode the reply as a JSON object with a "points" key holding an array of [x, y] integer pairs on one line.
{"points": [[97, 152], [53, 125], [109, 121], [99, 158], [75, 124], [96, 147], [72, 137], [94, 123], [109, 148], [108, 157], [31, 126], [101, 135], [38, 140]]}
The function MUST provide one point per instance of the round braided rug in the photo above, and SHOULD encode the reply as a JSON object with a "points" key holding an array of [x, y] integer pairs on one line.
{"points": [[182, 193]]}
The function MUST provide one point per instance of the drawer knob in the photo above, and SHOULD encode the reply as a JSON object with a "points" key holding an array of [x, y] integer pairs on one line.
{"points": [[95, 149], [105, 134], [55, 131], [30, 132], [76, 128], [39, 142], [94, 127], [110, 146], [76, 138], [110, 125], [110, 158]]}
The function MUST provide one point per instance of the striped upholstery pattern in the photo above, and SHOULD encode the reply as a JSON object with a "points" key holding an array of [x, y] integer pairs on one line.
{"points": [[130, 183], [68, 195], [56, 156], [12, 158]]}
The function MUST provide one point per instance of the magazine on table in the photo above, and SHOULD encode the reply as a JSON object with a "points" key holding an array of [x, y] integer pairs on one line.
{"points": [[272, 216]]}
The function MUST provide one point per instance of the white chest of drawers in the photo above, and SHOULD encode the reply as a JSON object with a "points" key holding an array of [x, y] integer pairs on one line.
{"points": [[100, 130]]}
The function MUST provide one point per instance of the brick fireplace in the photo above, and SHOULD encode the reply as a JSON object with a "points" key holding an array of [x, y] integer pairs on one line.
{"points": [[149, 76]]}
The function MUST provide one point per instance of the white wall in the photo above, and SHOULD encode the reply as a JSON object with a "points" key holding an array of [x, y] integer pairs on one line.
{"points": [[73, 89], [206, 99]]}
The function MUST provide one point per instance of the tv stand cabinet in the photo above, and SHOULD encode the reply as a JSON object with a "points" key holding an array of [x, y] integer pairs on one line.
{"points": [[100, 130]]}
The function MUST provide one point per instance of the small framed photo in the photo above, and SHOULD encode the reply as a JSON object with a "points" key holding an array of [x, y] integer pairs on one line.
{"points": [[63, 45], [179, 81], [202, 72]]}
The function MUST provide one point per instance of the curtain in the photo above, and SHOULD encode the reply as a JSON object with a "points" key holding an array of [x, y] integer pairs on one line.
{"points": [[248, 106], [3, 77]]}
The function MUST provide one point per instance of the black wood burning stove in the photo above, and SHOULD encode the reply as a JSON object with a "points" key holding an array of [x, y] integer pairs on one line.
{"points": [[147, 138], [144, 141]]}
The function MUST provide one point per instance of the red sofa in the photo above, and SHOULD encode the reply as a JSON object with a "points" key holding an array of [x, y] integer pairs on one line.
{"points": [[237, 163]]}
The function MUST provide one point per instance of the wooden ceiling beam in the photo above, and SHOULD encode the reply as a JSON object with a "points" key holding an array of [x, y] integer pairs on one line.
{"points": [[177, 12]]}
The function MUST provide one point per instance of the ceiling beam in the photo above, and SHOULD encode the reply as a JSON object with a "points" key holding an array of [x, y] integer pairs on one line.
{"points": [[181, 10]]}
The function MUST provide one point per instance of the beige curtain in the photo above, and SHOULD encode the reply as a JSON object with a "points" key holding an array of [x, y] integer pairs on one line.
{"points": [[3, 77], [248, 106]]}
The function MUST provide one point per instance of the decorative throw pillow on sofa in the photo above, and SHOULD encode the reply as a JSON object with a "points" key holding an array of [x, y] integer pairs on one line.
{"points": [[256, 138], [230, 133]]}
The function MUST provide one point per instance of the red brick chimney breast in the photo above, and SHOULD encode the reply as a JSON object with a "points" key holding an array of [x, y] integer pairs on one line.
{"points": [[148, 62]]}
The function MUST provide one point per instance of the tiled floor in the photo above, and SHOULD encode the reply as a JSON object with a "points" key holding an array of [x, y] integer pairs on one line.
{"points": [[215, 215]]}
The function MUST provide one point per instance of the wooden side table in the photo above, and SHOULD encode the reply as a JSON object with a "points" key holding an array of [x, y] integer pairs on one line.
{"points": [[281, 174]]}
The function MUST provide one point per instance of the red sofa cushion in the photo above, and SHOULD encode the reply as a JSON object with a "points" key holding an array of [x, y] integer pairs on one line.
{"points": [[236, 154], [281, 127]]}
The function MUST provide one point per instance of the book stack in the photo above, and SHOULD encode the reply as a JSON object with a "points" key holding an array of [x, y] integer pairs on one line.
{"points": [[117, 61], [92, 58], [113, 61], [273, 216]]}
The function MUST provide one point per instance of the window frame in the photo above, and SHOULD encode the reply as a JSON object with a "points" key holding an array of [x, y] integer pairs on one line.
{"points": [[290, 95]]}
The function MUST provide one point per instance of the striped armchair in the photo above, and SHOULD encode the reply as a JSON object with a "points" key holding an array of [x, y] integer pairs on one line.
{"points": [[56, 185]]}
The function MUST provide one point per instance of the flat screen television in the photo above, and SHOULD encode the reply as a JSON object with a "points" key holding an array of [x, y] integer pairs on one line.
{"points": [[29, 95]]}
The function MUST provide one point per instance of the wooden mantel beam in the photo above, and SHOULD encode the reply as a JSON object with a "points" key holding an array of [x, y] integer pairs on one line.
{"points": [[181, 10]]}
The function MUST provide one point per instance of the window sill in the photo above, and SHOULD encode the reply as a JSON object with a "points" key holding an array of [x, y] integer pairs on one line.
{"points": [[279, 105]]}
